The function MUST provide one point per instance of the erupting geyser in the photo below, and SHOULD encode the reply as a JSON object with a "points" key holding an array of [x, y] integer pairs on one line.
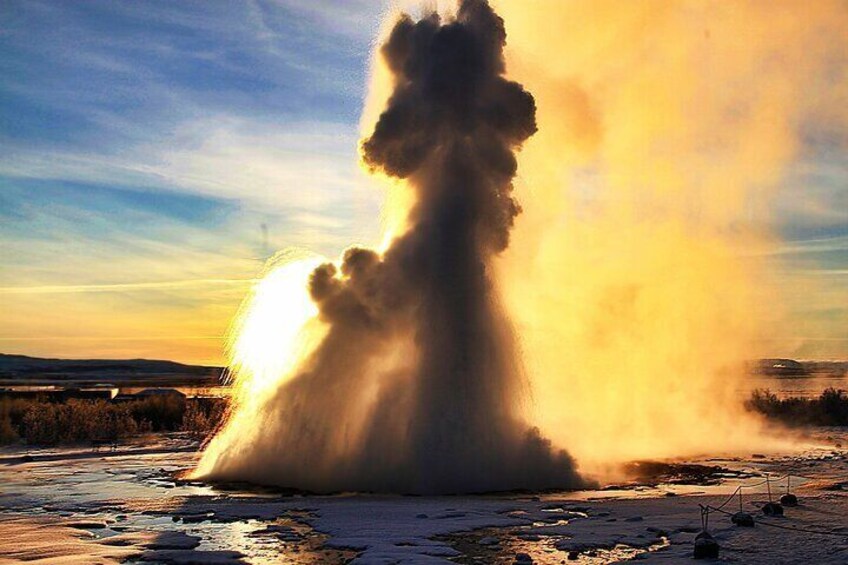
{"points": [[415, 383]]}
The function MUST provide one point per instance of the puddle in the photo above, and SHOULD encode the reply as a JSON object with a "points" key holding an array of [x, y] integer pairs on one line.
{"points": [[499, 546]]}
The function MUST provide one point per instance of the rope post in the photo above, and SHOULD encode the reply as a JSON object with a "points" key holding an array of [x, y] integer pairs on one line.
{"points": [[771, 508], [706, 547], [788, 499], [742, 518]]}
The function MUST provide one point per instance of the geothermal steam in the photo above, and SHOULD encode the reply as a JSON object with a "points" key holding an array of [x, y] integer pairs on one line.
{"points": [[415, 384], [638, 275]]}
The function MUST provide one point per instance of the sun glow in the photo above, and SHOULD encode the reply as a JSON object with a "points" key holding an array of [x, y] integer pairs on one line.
{"points": [[275, 329], [269, 330]]}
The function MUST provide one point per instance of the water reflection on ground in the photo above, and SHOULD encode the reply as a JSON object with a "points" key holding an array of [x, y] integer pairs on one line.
{"points": [[134, 499], [130, 506]]}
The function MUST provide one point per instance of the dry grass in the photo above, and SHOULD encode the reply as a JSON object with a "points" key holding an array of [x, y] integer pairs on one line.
{"points": [[40, 422]]}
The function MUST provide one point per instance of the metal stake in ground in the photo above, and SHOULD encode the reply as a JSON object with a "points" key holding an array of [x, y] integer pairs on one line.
{"points": [[706, 547], [788, 499]]}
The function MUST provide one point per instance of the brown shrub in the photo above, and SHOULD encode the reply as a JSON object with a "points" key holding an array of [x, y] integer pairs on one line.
{"points": [[41, 422]]}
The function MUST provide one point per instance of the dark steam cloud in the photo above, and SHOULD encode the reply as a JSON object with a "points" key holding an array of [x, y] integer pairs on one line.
{"points": [[417, 385]]}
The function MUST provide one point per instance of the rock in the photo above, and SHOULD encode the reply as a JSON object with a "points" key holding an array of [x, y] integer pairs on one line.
{"points": [[181, 557], [634, 519], [706, 546], [489, 540], [281, 532], [772, 509], [174, 540], [789, 499], [116, 542], [86, 525], [743, 519], [196, 518], [573, 555], [523, 559]]}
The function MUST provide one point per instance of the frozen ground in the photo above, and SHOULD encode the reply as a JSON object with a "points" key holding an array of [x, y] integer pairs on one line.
{"points": [[77, 506]]}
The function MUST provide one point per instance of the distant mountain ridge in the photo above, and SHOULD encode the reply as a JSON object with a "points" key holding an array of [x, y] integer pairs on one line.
{"points": [[24, 370], [780, 367]]}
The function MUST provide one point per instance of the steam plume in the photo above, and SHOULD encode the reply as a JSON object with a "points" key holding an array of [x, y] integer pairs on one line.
{"points": [[635, 275], [416, 384]]}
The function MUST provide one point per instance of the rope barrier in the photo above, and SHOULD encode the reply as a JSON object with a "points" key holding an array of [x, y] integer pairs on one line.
{"points": [[767, 481], [782, 527], [741, 518]]}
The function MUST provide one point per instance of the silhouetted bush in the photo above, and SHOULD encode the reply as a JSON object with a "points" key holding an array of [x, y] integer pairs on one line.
{"points": [[74, 421], [829, 409], [162, 413], [203, 416], [40, 422], [11, 416]]}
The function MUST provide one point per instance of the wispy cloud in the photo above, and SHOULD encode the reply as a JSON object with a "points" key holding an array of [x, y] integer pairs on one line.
{"points": [[124, 287], [156, 153], [821, 245], [281, 167], [826, 272]]}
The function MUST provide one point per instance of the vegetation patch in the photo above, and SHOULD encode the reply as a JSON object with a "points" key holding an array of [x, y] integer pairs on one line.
{"points": [[829, 409], [41, 422]]}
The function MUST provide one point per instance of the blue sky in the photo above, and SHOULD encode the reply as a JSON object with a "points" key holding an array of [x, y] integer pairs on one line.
{"points": [[146, 144], [151, 142]]}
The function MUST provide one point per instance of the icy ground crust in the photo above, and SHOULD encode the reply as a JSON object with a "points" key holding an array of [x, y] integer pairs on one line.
{"points": [[75, 506]]}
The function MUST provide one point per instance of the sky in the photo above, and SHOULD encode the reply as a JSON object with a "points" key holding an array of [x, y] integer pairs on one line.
{"points": [[155, 154]]}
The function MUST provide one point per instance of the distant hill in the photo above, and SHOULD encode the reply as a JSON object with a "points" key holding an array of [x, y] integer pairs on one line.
{"points": [[780, 367], [21, 369], [793, 368]]}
